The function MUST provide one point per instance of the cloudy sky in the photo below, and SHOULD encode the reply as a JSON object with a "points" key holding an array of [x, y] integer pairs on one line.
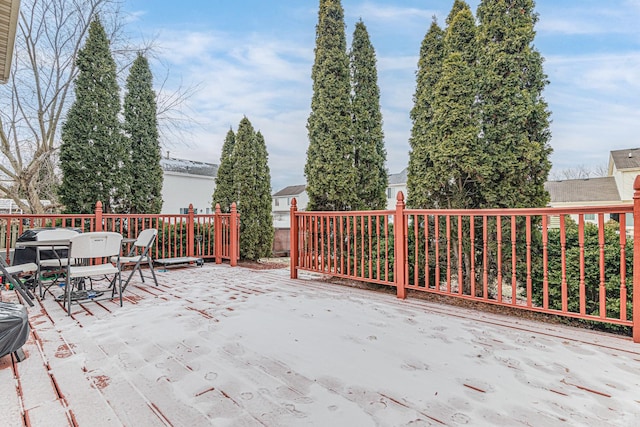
{"points": [[254, 58]]}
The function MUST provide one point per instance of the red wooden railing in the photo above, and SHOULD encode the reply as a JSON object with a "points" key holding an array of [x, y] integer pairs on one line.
{"points": [[213, 236], [551, 260]]}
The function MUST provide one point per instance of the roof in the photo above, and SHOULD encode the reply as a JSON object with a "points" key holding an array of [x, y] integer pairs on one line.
{"points": [[398, 178], [8, 21], [189, 167], [583, 190], [292, 190], [626, 159]]}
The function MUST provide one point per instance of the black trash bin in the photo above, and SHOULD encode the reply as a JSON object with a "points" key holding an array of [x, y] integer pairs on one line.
{"points": [[23, 255], [14, 329]]}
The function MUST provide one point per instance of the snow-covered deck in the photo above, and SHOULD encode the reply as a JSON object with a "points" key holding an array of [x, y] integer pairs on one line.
{"points": [[237, 347]]}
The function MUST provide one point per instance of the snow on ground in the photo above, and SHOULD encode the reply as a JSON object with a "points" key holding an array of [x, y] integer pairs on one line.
{"points": [[237, 347]]}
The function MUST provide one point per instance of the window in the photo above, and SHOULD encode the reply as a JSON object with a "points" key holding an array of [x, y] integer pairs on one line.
{"points": [[389, 193], [276, 202], [589, 217]]}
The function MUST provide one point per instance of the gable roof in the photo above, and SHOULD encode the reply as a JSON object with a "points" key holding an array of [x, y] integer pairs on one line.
{"points": [[398, 178], [626, 159], [8, 22], [190, 167], [292, 190], [583, 190]]}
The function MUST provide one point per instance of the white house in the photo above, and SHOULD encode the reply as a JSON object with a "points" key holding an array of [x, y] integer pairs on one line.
{"points": [[614, 189], [281, 211], [187, 182], [397, 183], [624, 166], [281, 204]]}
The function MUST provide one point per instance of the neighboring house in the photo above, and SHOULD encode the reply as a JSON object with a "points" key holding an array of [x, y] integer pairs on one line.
{"points": [[281, 204], [614, 189], [281, 213], [397, 183], [187, 182], [9, 10], [624, 166], [583, 192], [9, 206]]}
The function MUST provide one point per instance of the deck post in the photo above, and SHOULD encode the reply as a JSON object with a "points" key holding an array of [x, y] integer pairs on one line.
{"points": [[293, 239], [234, 236], [400, 257], [636, 261], [217, 234], [98, 216], [190, 231]]}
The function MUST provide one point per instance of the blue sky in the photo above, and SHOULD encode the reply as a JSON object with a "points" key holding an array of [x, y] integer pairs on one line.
{"points": [[254, 58]]}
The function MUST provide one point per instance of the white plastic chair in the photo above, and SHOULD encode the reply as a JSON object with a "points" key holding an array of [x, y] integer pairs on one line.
{"points": [[56, 264], [95, 251], [140, 253]]}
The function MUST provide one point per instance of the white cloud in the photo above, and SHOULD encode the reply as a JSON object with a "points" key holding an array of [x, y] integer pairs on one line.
{"points": [[387, 13]]}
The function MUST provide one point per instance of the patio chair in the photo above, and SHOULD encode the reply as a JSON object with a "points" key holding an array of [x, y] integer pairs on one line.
{"points": [[10, 274], [139, 254], [57, 264], [93, 252]]}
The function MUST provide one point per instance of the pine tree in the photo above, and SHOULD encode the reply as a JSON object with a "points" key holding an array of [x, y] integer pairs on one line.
{"points": [[141, 126], [252, 182], [369, 152], [456, 156], [225, 193], [428, 74], [515, 118], [329, 168], [93, 153]]}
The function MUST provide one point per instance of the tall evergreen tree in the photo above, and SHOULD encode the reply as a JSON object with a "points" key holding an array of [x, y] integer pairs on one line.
{"points": [[515, 118], [141, 126], [456, 157], [369, 152], [93, 153], [329, 168], [252, 181], [458, 5], [225, 192], [428, 74]]}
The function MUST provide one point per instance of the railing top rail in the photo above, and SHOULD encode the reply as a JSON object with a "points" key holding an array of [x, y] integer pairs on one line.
{"points": [[44, 216], [344, 213], [622, 208]]}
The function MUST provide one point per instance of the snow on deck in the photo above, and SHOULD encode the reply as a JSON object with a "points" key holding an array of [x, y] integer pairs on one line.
{"points": [[236, 347]]}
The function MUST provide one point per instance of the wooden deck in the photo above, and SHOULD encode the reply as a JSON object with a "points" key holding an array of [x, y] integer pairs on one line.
{"points": [[232, 346]]}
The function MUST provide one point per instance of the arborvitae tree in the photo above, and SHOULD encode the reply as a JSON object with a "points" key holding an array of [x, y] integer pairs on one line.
{"points": [[456, 157], [515, 118], [329, 169], [141, 126], [428, 74], [264, 246], [225, 192], [458, 5], [369, 152], [93, 153], [252, 182]]}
